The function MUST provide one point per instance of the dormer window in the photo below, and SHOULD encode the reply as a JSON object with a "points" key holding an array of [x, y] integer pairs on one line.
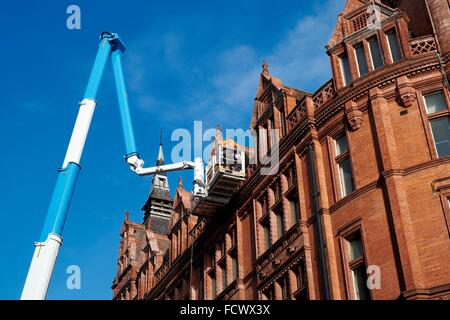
{"points": [[394, 46], [375, 52], [345, 69], [363, 68]]}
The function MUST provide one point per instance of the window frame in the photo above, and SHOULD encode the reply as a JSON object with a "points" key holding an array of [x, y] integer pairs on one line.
{"points": [[364, 59], [348, 264], [336, 161], [281, 230], [345, 82], [389, 47], [428, 117], [377, 39]]}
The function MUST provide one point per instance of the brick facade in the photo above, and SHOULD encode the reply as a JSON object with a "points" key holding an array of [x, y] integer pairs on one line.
{"points": [[363, 184]]}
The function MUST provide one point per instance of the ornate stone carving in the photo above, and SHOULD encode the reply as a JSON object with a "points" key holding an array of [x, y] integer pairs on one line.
{"points": [[354, 115], [407, 99], [406, 94]]}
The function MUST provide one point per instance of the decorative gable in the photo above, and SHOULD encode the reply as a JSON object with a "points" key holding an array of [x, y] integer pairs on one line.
{"points": [[270, 89], [357, 16]]}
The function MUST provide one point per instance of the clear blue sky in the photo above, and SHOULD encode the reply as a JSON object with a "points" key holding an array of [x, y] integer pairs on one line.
{"points": [[185, 61]]}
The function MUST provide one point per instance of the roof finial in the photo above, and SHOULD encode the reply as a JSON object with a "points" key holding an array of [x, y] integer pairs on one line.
{"points": [[160, 160], [180, 183], [126, 215], [265, 68]]}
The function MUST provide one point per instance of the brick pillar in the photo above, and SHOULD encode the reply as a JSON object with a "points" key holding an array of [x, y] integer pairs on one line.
{"points": [[403, 37], [292, 284], [219, 282], [337, 72], [385, 47], [287, 215], [277, 291], [440, 15], [228, 264], [258, 228], [133, 289], [352, 61], [240, 256], [367, 55], [327, 228], [396, 193], [272, 217], [311, 275]]}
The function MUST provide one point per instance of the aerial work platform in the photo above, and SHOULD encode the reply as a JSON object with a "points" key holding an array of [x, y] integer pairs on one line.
{"points": [[224, 173]]}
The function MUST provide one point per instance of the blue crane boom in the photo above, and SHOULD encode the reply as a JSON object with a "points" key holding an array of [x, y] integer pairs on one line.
{"points": [[223, 174], [46, 250]]}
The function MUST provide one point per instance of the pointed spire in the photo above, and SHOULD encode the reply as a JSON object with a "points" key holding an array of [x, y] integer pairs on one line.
{"points": [[126, 215], [265, 68], [160, 160]]}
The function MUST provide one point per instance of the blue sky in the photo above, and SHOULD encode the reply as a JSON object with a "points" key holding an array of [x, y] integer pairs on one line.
{"points": [[185, 61]]}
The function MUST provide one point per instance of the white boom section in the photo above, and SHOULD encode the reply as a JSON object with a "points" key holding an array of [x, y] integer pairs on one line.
{"points": [[166, 168], [80, 132], [41, 268]]}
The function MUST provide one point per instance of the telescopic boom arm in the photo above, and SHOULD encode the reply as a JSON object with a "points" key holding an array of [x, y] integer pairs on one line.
{"points": [[46, 249]]}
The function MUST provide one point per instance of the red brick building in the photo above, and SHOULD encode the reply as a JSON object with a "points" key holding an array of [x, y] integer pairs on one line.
{"points": [[363, 185]]}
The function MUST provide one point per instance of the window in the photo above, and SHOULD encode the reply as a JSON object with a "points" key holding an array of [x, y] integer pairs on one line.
{"points": [[394, 46], [357, 266], [266, 230], [435, 102], [273, 133], [290, 176], [223, 249], [341, 145], [300, 275], [212, 259], [344, 166], [234, 264], [360, 278], [233, 236], [284, 286], [224, 277], [295, 210], [345, 69], [264, 205], [213, 286], [375, 52], [280, 223], [283, 123], [201, 293], [269, 293], [361, 60], [345, 173], [276, 191], [355, 246], [438, 116]]}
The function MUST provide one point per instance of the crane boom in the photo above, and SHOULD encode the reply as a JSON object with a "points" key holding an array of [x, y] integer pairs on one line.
{"points": [[225, 171], [47, 248]]}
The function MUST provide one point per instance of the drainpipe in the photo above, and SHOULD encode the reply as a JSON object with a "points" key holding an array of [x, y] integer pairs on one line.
{"points": [[315, 211]]}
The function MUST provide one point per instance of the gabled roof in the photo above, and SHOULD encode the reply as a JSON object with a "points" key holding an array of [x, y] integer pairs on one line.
{"points": [[269, 82], [353, 7], [182, 196]]}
